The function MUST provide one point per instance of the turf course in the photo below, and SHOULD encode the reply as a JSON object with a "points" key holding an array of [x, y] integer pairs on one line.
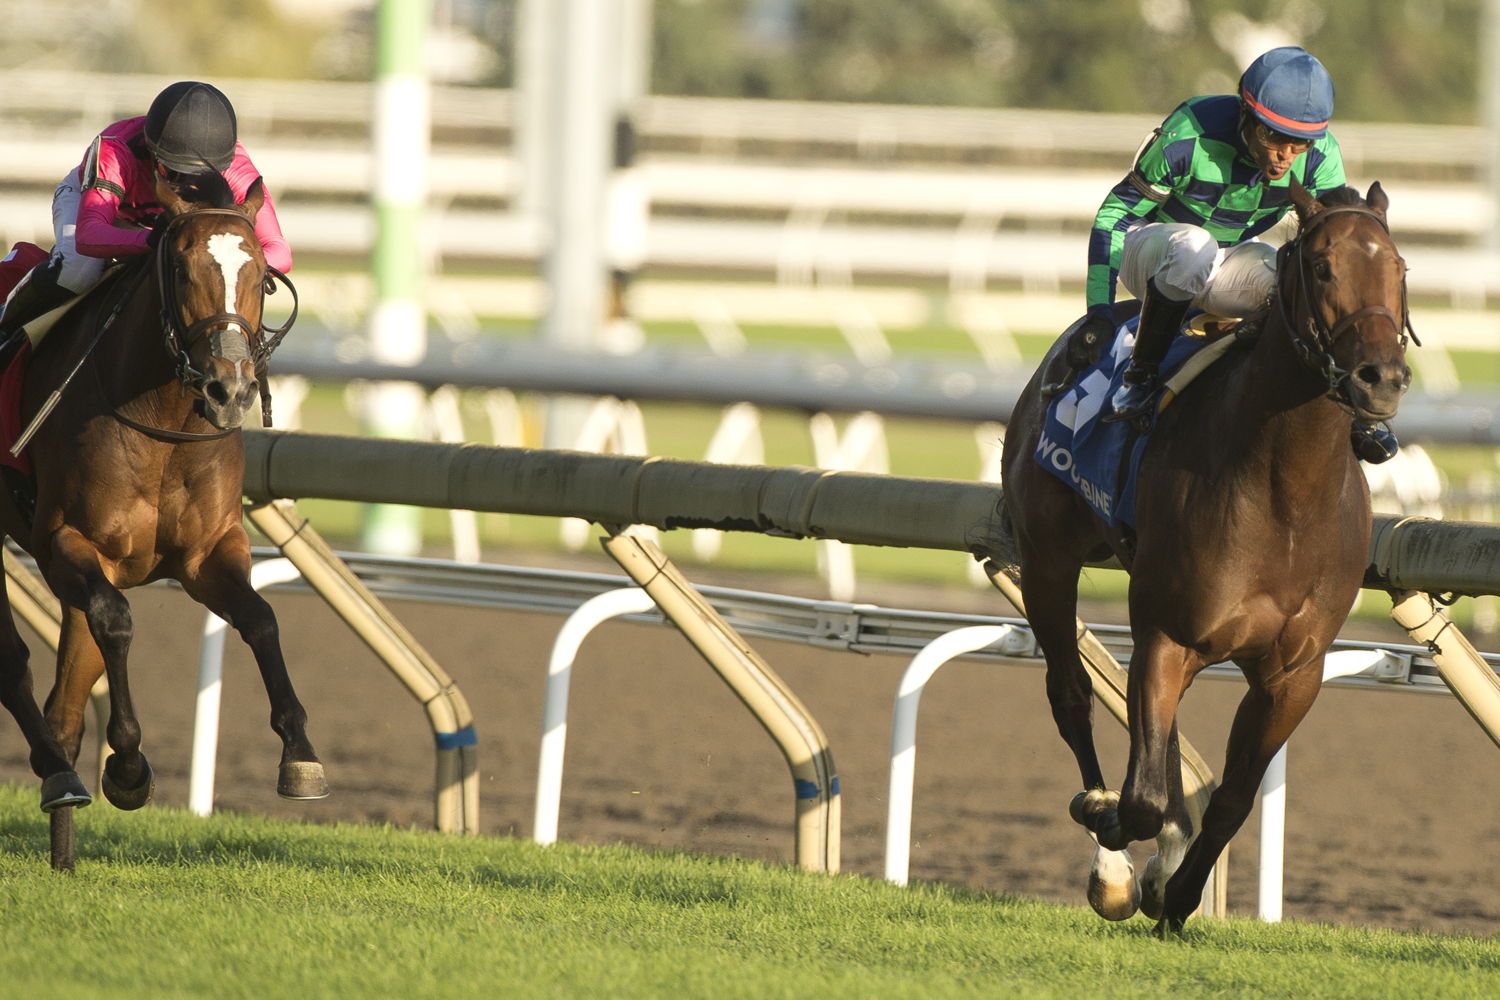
{"points": [[165, 904]]}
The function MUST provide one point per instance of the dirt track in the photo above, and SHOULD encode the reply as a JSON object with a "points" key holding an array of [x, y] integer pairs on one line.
{"points": [[1391, 812]]}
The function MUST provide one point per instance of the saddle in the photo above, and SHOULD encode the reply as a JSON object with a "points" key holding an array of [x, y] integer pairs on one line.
{"points": [[1099, 459]]}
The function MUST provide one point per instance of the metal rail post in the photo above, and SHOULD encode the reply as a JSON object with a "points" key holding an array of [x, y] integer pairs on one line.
{"points": [[549, 772], [904, 735], [773, 704], [457, 800]]}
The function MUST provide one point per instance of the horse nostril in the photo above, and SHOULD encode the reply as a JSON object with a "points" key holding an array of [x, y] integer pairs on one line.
{"points": [[1373, 376], [216, 393]]}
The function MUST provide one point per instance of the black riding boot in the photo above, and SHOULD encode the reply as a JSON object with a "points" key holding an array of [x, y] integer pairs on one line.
{"points": [[1373, 443], [1161, 319], [38, 293]]}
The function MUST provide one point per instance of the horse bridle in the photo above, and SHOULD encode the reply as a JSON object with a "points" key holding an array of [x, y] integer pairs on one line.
{"points": [[1315, 347], [262, 340]]}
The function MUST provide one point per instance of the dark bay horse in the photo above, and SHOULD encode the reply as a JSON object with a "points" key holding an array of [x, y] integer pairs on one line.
{"points": [[138, 477], [1253, 525]]}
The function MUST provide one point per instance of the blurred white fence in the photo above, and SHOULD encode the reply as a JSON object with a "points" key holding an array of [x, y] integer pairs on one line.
{"points": [[827, 193]]}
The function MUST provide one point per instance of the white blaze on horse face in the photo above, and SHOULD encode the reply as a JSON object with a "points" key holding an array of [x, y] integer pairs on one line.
{"points": [[229, 250]]}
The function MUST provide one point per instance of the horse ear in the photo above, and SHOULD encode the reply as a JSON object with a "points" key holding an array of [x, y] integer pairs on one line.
{"points": [[168, 196], [254, 197], [1307, 206], [1376, 199]]}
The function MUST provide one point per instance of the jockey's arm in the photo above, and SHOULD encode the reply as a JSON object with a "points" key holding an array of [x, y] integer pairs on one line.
{"points": [[1152, 178], [99, 234], [240, 175]]}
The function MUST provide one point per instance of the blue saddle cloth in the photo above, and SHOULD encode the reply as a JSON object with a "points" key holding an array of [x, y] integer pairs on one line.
{"points": [[1087, 453]]}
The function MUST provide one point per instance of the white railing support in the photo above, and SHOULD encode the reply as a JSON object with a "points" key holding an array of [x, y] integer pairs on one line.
{"points": [[1380, 664], [590, 615], [1272, 839], [904, 735]]}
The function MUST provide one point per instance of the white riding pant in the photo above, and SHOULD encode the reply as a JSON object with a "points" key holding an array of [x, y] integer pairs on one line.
{"points": [[1188, 263], [78, 273]]}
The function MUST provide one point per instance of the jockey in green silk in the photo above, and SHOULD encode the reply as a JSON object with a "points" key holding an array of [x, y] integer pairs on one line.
{"points": [[1180, 229]]}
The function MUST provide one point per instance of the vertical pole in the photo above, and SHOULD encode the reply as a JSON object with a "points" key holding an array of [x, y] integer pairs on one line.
{"points": [[1489, 103], [535, 27], [1272, 838], [578, 154], [398, 325]]}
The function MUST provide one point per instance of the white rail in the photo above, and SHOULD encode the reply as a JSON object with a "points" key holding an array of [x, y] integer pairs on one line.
{"points": [[844, 211]]}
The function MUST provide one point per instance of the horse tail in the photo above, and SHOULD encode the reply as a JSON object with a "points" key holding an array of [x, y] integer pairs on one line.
{"points": [[993, 538]]}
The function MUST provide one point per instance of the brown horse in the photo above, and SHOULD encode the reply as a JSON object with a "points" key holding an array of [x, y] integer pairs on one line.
{"points": [[138, 477], [1253, 524]]}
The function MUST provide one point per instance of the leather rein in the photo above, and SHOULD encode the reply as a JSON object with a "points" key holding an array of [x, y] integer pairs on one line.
{"points": [[1315, 346]]}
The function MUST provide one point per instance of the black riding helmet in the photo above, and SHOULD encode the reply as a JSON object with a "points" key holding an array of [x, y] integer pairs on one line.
{"points": [[191, 125]]}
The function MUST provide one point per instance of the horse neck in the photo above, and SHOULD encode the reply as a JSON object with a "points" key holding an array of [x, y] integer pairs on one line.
{"points": [[133, 366], [1283, 420]]}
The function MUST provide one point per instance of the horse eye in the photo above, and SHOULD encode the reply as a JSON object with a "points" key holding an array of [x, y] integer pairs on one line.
{"points": [[1321, 270]]}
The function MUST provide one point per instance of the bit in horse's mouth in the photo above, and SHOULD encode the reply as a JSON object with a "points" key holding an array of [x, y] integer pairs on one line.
{"points": [[1371, 416]]}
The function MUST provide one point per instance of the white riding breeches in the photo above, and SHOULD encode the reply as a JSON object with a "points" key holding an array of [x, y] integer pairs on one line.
{"points": [[78, 273], [1187, 263]]}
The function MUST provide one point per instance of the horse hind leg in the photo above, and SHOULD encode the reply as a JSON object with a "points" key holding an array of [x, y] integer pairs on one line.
{"points": [[96, 625], [61, 786], [1051, 597]]}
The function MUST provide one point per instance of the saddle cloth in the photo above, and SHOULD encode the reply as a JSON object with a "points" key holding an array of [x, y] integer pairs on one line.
{"points": [[15, 266], [1099, 459]]}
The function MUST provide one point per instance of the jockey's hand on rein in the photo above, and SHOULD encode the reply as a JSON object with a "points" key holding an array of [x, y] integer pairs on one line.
{"points": [[1089, 340], [158, 228]]}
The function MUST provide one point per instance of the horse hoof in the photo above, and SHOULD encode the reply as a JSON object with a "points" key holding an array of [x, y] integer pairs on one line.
{"points": [[64, 789], [1113, 892], [302, 780], [129, 798], [1153, 888], [1086, 805]]}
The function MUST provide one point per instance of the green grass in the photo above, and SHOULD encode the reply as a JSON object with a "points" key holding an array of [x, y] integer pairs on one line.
{"points": [[164, 904]]}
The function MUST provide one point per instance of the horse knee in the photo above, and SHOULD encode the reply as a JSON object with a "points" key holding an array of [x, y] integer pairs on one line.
{"points": [[109, 619]]}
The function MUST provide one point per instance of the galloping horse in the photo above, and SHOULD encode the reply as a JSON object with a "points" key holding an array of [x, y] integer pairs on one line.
{"points": [[138, 477], [1252, 535]]}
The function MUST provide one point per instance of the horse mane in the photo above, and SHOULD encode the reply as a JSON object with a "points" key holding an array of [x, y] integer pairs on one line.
{"points": [[208, 189], [1341, 196]]}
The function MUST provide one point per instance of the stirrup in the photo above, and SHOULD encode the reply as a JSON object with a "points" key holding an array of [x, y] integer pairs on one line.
{"points": [[1132, 399]]}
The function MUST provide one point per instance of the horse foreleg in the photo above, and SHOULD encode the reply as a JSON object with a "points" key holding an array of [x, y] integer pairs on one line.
{"points": [[1172, 842], [1159, 673], [96, 624], [1265, 719], [222, 584]]}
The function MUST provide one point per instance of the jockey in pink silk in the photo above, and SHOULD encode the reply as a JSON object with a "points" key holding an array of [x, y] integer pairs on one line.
{"points": [[106, 207]]}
